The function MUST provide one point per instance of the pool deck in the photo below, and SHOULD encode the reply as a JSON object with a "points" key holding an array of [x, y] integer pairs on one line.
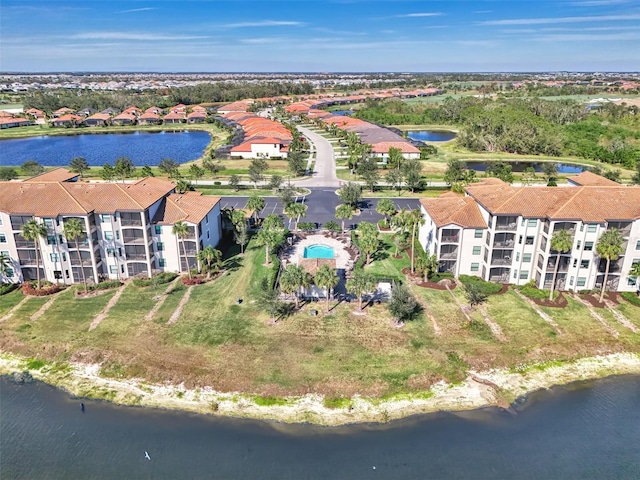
{"points": [[341, 256]]}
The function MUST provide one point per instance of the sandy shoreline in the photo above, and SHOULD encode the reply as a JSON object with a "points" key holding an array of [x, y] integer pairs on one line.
{"points": [[497, 387]]}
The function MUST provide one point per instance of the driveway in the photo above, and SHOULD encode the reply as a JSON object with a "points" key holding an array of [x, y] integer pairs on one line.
{"points": [[324, 174]]}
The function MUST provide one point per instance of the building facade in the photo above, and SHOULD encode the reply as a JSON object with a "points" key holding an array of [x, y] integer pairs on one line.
{"points": [[503, 233], [128, 229]]}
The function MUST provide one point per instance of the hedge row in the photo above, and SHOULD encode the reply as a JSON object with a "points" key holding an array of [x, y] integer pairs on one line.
{"points": [[487, 288], [159, 279]]}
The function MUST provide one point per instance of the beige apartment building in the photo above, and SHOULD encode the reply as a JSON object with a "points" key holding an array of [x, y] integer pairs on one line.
{"points": [[128, 227], [502, 233]]}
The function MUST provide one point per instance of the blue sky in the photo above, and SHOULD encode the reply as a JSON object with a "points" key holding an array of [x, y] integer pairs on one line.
{"points": [[319, 35]]}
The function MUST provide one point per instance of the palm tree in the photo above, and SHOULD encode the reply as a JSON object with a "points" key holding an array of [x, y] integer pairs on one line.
{"points": [[74, 230], [270, 235], [387, 208], [295, 210], [561, 242], [181, 229], [5, 264], [34, 230], [292, 279], [211, 258], [427, 264], [609, 246], [241, 236], [415, 219], [255, 204], [326, 278], [635, 272], [344, 211], [359, 284]]}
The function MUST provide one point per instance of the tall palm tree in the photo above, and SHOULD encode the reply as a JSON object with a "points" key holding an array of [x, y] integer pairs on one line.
{"points": [[255, 204], [181, 229], [241, 235], [73, 230], [635, 272], [361, 283], [326, 278], [387, 208], [561, 242], [34, 230], [211, 258], [295, 210], [344, 211], [609, 246], [415, 219], [270, 235], [292, 279]]}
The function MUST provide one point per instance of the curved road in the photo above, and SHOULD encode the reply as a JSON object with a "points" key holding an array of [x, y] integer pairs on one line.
{"points": [[325, 168]]}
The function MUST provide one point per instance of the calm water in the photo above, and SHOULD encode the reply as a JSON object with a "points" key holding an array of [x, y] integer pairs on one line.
{"points": [[521, 166], [431, 135], [344, 113], [142, 148], [318, 251], [586, 431]]}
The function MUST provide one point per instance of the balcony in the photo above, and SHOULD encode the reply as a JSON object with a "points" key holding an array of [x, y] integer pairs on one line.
{"points": [[450, 236], [448, 253], [504, 240], [130, 219], [24, 244], [570, 227], [133, 239], [501, 260], [499, 275], [136, 256], [562, 267], [447, 266], [506, 223], [623, 227]]}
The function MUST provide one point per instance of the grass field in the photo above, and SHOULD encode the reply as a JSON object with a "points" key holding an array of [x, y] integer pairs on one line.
{"points": [[232, 347]]}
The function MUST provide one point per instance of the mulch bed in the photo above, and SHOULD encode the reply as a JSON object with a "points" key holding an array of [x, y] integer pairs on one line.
{"points": [[503, 290], [559, 302], [593, 300]]}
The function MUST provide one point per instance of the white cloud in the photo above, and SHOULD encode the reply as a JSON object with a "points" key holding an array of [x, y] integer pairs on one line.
{"points": [[263, 23], [552, 20], [578, 37], [134, 36], [145, 9], [420, 14], [597, 3]]}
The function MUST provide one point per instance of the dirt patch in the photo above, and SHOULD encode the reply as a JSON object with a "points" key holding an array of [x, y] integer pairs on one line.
{"points": [[593, 300], [559, 302]]}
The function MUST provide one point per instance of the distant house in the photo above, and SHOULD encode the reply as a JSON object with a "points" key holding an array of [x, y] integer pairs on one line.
{"points": [[197, 117], [4, 114], [124, 119], [97, 120], [6, 122], [111, 111], [149, 118], [38, 116], [68, 120], [199, 108], [174, 117], [62, 111], [180, 108], [132, 111], [86, 112], [155, 110]]}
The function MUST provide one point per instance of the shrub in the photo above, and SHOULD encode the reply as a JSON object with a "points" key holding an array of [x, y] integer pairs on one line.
{"points": [[307, 226], [631, 297], [159, 279], [106, 285], [7, 287], [192, 280], [441, 276], [336, 402], [217, 183], [270, 401], [484, 287], [530, 290]]}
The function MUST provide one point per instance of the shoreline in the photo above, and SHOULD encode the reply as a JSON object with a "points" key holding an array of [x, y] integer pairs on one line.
{"points": [[496, 387]]}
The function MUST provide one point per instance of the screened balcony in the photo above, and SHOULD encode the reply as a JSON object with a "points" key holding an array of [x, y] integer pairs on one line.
{"points": [[504, 222]]}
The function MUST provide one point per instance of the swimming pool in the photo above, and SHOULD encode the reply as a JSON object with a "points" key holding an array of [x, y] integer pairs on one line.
{"points": [[318, 251]]}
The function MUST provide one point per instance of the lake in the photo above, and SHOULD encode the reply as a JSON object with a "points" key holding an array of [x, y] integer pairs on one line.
{"points": [[143, 148], [586, 430], [431, 135], [481, 166]]}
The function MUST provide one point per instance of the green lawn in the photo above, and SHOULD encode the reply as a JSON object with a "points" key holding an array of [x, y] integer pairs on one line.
{"points": [[10, 300]]}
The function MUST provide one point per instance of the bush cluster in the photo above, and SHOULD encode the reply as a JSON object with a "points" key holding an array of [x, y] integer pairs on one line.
{"points": [[7, 287], [159, 279], [531, 291], [436, 277], [631, 297], [486, 288], [106, 285]]}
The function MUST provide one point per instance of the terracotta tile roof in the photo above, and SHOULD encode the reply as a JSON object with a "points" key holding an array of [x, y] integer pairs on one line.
{"points": [[125, 116], [173, 115], [197, 114], [189, 207], [454, 209], [149, 116], [55, 175], [156, 110], [312, 265], [49, 199], [590, 179], [67, 118], [4, 114], [10, 121], [594, 204], [383, 147], [99, 116]]}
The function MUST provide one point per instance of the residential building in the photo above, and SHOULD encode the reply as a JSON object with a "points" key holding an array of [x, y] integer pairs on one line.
{"points": [[97, 120], [129, 227], [10, 122], [503, 233]]}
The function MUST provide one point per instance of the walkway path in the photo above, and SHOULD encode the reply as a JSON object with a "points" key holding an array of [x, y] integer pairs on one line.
{"points": [[178, 311], [597, 316], [103, 314], [10, 313], [325, 168], [46, 306], [618, 315], [162, 299]]}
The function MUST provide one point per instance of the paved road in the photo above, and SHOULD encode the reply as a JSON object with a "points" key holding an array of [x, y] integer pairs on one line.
{"points": [[322, 203], [324, 174]]}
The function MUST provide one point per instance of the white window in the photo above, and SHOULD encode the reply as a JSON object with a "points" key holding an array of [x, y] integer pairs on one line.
{"points": [[533, 222], [526, 257], [584, 264], [582, 281], [571, 281], [475, 267], [638, 245], [104, 217], [54, 257], [3, 238], [477, 233], [113, 269], [108, 235], [524, 274], [476, 250], [592, 228]]}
